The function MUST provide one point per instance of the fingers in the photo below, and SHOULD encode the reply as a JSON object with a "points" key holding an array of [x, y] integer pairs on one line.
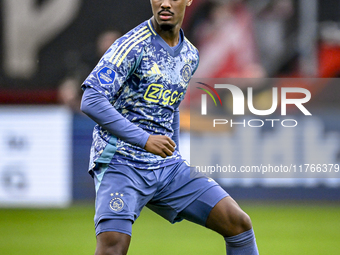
{"points": [[173, 144], [168, 152], [160, 145], [163, 155], [170, 145], [168, 148]]}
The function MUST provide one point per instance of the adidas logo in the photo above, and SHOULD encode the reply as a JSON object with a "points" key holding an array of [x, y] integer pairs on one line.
{"points": [[154, 70]]}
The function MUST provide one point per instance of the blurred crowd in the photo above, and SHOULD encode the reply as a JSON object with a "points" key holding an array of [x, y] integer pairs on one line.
{"points": [[265, 38], [241, 39], [80, 64]]}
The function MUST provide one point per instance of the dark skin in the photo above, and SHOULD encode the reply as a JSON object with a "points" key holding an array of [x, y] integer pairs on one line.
{"points": [[168, 17], [160, 145], [226, 218]]}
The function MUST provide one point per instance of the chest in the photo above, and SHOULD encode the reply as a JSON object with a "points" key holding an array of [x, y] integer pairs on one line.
{"points": [[164, 78]]}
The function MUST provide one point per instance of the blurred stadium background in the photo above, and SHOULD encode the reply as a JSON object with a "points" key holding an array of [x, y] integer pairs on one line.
{"points": [[48, 47]]}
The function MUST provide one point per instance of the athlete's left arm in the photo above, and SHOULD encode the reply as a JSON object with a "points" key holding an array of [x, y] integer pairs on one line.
{"points": [[176, 127]]}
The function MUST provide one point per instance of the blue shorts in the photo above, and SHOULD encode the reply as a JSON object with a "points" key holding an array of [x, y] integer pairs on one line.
{"points": [[122, 191]]}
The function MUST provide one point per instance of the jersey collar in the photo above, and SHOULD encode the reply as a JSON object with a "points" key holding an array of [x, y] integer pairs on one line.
{"points": [[161, 42]]}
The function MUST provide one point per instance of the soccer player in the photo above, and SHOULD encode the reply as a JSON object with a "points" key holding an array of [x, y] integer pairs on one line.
{"points": [[133, 94]]}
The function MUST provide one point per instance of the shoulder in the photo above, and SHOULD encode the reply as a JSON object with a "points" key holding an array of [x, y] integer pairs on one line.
{"points": [[190, 50], [190, 46], [191, 54], [129, 46]]}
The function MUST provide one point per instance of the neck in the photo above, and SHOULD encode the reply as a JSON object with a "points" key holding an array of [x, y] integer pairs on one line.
{"points": [[170, 36]]}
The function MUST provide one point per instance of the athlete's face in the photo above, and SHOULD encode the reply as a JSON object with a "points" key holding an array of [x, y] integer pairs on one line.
{"points": [[169, 13]]}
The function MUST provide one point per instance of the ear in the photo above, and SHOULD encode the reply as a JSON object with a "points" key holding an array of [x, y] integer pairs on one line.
{"points": [[189, 2]]}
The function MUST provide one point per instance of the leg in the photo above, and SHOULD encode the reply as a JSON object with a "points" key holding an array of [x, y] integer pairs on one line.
{"points": [[202, 201], [228, 219], [113, 237], [118, 204], [112, 243]]}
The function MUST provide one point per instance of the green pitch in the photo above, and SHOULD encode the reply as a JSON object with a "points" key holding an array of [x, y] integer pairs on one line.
{"points": [[279, 228]]}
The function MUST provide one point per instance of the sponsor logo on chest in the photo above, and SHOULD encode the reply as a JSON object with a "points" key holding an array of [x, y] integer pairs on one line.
{"points": [[157, 93]]}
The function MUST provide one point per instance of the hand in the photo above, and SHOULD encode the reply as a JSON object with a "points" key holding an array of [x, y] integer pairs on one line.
{"points": [[160, 145]]}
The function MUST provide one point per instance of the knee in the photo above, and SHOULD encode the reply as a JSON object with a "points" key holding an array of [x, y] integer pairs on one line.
{"points": [[228, 219], [109, 250], [242, 223], [236, 223], [112, 243]]}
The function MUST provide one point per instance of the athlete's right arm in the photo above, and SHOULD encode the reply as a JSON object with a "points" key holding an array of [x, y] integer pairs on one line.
{"points": [[160, 145], [106, 79], [97, 107]]}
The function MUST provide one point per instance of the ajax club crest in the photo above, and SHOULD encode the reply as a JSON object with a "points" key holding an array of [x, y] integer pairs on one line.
{"points": [[186, 73], [116, 203]]}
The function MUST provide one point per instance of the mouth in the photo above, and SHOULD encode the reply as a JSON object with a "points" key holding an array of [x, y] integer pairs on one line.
{"points": [[165, 15]]}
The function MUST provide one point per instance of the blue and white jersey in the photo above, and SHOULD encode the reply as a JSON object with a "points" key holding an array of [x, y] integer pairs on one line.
{"points": [[145, 80]]}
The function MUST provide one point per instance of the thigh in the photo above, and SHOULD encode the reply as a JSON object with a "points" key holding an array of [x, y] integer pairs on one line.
{"points": [[199, 210], [178, 189], [121, 193]]}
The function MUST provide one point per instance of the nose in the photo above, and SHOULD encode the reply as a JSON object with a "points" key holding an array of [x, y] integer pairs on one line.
{"points": [[166, 4]]}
